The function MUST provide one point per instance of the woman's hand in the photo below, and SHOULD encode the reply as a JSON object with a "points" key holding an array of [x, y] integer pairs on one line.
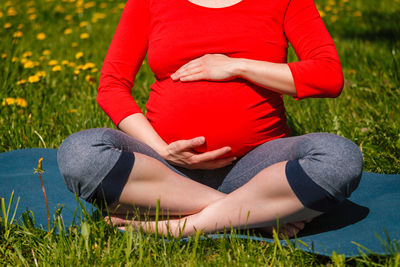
{"points": [[181, 153], [216, 67]]}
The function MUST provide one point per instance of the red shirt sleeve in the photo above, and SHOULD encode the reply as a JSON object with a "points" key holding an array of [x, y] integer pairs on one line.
{"points": [[318, 72], [123, 60]]}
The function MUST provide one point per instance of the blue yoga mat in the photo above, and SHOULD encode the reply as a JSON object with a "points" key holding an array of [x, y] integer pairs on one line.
{"points": [[367, 222]]}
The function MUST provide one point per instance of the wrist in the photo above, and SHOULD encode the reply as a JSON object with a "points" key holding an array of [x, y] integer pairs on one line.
{"points": [[240, 67]]}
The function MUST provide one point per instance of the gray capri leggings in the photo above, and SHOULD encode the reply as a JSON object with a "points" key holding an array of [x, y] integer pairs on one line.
{"points": [[323, 169]]}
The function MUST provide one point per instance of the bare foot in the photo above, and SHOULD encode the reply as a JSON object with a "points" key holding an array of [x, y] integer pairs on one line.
{"points": [[286, 230]]}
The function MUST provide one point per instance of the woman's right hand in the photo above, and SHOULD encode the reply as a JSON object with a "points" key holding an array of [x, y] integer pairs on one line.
{"points": [[181, 153]]}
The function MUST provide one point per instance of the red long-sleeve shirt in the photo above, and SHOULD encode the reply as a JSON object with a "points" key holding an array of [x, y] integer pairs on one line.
{"points": [[234, 113]]}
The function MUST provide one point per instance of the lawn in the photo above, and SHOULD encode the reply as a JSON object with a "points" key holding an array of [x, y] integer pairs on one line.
{"points": [[51, 55]]}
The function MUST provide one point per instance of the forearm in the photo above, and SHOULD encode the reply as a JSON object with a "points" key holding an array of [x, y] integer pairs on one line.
{"points": [[273, 76], [137, 126]]}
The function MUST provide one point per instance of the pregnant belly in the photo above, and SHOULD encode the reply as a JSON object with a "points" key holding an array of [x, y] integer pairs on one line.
{"points": [[235, 113]]}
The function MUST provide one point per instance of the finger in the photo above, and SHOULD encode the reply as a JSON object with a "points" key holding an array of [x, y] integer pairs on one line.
{"points": [[194, 77], [186, 72], [182, 145], [211, 155], [219, 163]]}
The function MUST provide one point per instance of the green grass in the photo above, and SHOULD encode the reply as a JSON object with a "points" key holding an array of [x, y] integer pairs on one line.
{"points": [[62, 102]]}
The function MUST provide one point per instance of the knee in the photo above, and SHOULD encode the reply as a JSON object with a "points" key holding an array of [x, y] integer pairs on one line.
{"points": [[77, 161], [341, 164]]}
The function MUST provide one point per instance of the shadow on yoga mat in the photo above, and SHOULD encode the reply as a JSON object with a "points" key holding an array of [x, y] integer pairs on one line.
{"points": [[366, 222]]}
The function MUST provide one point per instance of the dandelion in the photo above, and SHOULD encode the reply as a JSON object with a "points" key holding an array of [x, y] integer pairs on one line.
{"points": [[83, 24], [74, 44], [31, 10], [41, 73], [121, 6], [59, 9], [20, 26], [334, 18], [68, 17], [89, 5], [95, 70], [90, 79], [79, 55], [71, 64], [84, 35], [53, 62], [27, 54], [67, 31], [357, 13], [22, 81], [74, 110], [39, 171], [32, 16], [7, 25], [18, 34], [1, 14], [56, 68], [11, 12], [46, 52], [41, 36], [3, 56], [29, 64], [8, 101], [14, 59], [33, 79], [88, 65], [76, 72], [103, 5], [64, 62], [21, 102]]}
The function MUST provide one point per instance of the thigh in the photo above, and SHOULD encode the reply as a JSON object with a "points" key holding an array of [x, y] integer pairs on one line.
{"points": [[331, 161]]}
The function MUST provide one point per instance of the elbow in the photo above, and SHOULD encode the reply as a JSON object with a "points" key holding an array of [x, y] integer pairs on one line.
{"points": [[335, 84]]}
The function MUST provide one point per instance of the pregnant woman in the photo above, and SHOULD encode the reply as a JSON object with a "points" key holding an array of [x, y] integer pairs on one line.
{"points": [[214, 145]]}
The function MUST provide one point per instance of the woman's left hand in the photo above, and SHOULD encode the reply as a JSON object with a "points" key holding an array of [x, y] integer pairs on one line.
{"points": [[215, 67]]}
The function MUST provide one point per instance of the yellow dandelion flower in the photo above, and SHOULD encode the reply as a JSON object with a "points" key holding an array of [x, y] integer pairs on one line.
{"points": [[31, 10], [27, 54], [8, 101], [21, 102], [83, 24], [36, 63], [31, 3], [74, 44], [41, 73], [64, 62], [345, 1], [67, 31], [20, 26], [95, 70], [29, 64], [68, 17], [53, 62], [3, 55], [23, 60], [46, 52], [90, 79], [89, 5], [22, 81], [121, 6], [79, 10], [357, 13], [32, 16], [79, 55], [56, 68], [59, 9], [33, 79], [14, 59], [71, 64], [18, 34], [73, 110], [41, 36], [79, 67], [1, 14], [8, 3], [328, 8], [334, 18], [11, 12], [88, 65], [42, 58], [7, 25], [76, 72], [84, 35], [103, 5]]}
